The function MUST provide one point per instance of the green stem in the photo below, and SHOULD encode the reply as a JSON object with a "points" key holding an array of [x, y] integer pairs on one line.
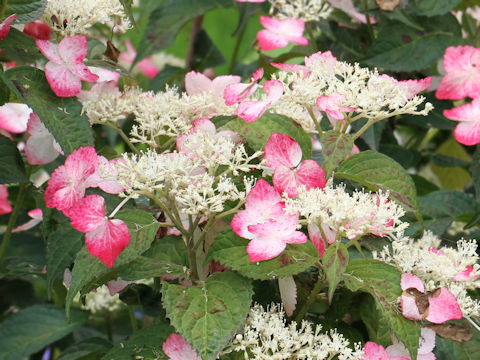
{"points": [[369, 24], [108, 325], [123, 136], [204, 233], [165, 209], [133, 320], [3, 6], [231, 66], [315, 121], [364, 128], [311, 299], [311, 36], [192, 258], [231, 211], [12, 220]]}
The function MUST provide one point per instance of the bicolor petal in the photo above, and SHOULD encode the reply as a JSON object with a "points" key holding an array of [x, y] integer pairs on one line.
{"points": [[14, 117], [177, 348], [5, 26], [5, 206], [443, 307]]}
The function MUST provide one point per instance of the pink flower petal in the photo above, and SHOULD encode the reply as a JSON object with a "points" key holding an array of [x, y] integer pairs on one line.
{"points": [[288, 294], [398, 351], [468, 133], [466, 112], [115, 286], [49, 50], [281, 32], [73, 49], [411, 281], [237, 92], [148, 67], [62, 81], [409, 308], [262, 196], [37, 29], [281, 149], [465, 274], [104, 75], [5, 206], [83, 72], [372, 351], [348, 7], [88, 214], [268, 40], [108, 241], [311, 175], [416, 86], [315, 236], [259, 249], [251, 216], [41, 147], [291, 67], [36, 218], [176, 348], [427, 341], [251, 110], [284, 180], [14, 117], [5, 26], [197, 83], [443, 307]]}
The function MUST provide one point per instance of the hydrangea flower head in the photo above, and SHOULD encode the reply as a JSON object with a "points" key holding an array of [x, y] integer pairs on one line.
{"points": [[278, 33], [104, 238], [284, 154], [66, 70], [462, 78]]}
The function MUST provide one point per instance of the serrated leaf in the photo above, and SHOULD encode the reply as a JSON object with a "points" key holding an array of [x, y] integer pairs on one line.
{"points": [[377, 171], [89, 272], [27, 10], [207, 314], [146, 343], [447, 204], [31, 329], [335, 261], [382, 281], [258, 132], [336, 147], [231, 250], [205, 53], [166, 21], [62, 116], [11, 164], [19, 47], [62, 247], [397, 42], [167, 257]]}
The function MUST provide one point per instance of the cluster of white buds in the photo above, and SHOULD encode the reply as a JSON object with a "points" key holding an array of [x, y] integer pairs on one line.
{"points": [[307, 10]]}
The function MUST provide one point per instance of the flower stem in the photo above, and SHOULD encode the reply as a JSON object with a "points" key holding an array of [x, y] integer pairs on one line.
{"points": [[123, 136], [12, 220], [310, 300], [231, 66], [364, 128], [133, 320]]}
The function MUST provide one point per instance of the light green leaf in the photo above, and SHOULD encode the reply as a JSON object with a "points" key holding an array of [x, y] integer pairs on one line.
{"points": [[336, 147], [377, 171], [11, 164], [89, 272], [231, 250], [62, 116], [335, 261], [207, 314], [31, 329], [27, 10], [382, 281], [258, 132], [145, 343]]}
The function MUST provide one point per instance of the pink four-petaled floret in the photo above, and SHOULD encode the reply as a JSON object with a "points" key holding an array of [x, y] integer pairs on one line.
{"points": [[278, 33]]}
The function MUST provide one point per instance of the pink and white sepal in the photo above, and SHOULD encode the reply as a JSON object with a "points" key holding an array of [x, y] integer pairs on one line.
{"points": [[278, 33], [442, 304], [251, 110], [237, 92], [283, 154], [319, 234], [105, 238], [177, 348], [467, 131], [41, 147], [331, 105], [66, 70]]}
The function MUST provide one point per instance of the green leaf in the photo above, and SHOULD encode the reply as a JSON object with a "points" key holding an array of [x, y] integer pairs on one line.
{"points": [[11, 164], [109, 65], [31, 329], [450, 349], [165, 257], [448, 161], [432, 7], [406, 157], [207, 314], [20, 47], [397, 42], [205, 53], [231, 250], [171, 75], [382, 281], [145, 344], [127, 6], [258, 132], [377, 171], [62, 116], [336, 147], [89, 272], [447, 204], [475, 169], [167, 20], [27, 10], [62, 247], [335, 261], [88, 349]]}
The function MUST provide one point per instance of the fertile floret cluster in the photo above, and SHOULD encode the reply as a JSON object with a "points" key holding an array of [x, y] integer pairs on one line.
{"points": [[307, 10]]}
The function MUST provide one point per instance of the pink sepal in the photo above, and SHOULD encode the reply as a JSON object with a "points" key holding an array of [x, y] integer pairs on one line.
{"points": [[373, 351], [41, 147], [176, 348], [197, 83], [88, 213], [288, 294], [5, 206], [37, 29], [331, 105], [468, 131], [411, 281], [316, 238], [281, 149], [443, 307], [279, 33], [14, 117], [5, 26], [36, 218]]}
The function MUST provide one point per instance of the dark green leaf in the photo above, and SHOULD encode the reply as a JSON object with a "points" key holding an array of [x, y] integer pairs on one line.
{"points": [[167, 20], [447, 203], [450, 349], [258, 132], [397, 42], [62, 116], [145, 343], [27, 10], [89, 272], [405, 157], [231, 250], [382, 281], [205, 53], [207, 314], [171, 75], [19, 47], [336, 147], [88, 349], [475, 169], [448, 161], [377, 171], [11, 164], [31, 329], [335, 261], [62, 247], [432, 7]]}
